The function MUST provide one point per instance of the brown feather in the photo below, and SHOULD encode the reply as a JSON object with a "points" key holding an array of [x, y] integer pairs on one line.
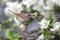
{"points": [[20, 14]]}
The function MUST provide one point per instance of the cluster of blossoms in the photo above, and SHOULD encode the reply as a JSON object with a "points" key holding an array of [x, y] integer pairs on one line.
{"points": [[42, 6]]}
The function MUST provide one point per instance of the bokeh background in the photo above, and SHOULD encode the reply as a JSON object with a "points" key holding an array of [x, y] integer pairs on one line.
{"points": [[3, 17]]}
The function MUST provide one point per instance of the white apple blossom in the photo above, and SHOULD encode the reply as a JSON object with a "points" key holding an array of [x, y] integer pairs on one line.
{"points": [[9, 14], [45, 14], [38, 5], [56, 26], [56, 2], [44, 23], [17, 22], [49, 5], [13, 6], [41, 37], [17, 8], [22, 27], [29, 3]]}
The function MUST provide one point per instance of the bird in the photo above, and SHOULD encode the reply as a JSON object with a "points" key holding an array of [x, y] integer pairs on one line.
{"points": [[23, 15]]}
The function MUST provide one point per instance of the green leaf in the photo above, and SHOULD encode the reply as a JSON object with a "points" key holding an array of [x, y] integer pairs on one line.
{"points": [[12, 35], [52, 20], [59, 32], [7, 23], [14, 24], [47, 34]]}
